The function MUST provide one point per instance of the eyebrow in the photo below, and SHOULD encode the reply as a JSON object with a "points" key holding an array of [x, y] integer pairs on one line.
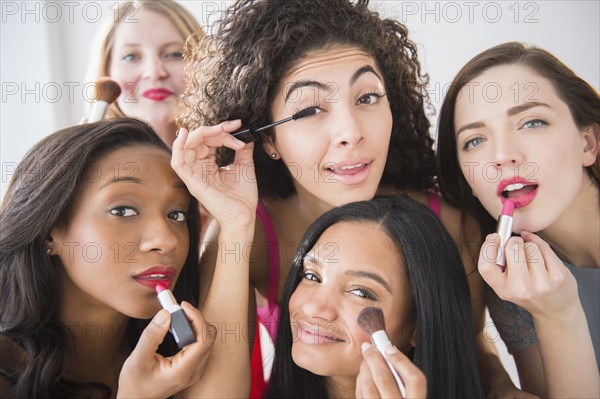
{"points": [[511, 112], [372, 276], [122, 179], [310, 257], [313, 83], [135, 180]]}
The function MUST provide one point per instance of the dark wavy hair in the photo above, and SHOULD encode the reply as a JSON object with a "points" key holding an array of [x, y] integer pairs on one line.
{"points": [[40, 194], [581, 98], [234, 73], [445, 332]]}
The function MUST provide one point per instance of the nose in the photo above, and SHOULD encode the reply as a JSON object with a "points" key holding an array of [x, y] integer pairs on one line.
{"points": [[507, 151], [319, 306], [348, 132], [154, 68], [159, 235]]}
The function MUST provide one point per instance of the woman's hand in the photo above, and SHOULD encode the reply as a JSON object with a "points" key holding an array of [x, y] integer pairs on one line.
{"points": [[146, 374], [229, 193], [375, 380], [535, 278]]}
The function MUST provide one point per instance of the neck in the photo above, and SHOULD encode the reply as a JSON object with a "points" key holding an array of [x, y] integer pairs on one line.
{"points": [[341, 387], [166, 131], [575, 235], [100, 341]]}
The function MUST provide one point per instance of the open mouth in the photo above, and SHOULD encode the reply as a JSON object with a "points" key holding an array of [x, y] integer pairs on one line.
{"points": [[518, 189]]}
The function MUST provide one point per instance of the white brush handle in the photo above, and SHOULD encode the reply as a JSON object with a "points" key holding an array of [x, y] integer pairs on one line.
{"points": [[382, 342], [98, 111]]}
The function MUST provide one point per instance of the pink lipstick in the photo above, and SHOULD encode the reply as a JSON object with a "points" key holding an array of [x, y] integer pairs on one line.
{"points": [[180, 326], [504, 230]]}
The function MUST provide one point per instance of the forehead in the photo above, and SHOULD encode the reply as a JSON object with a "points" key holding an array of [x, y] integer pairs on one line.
{"points": [[507, 85], [344, 246], [140, 161], [331, 59], [146, 25]]}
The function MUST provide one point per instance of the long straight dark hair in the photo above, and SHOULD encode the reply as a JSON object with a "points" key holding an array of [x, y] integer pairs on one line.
{"points": [[39, 195], [445, 332]]}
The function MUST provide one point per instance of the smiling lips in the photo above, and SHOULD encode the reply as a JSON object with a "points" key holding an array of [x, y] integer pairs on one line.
{"points": [[157, 94], [350, 172], [315, 335], [518, 190], [156, 275]]}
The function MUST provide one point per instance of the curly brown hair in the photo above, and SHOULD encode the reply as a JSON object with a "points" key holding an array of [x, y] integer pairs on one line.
{"points": [[235, 72]]}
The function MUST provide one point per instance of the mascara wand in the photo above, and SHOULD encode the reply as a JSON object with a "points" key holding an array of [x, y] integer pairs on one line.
{"points": [[249, 135]]}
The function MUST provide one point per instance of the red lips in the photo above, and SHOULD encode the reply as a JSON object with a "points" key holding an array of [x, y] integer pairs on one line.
{"points": [[157, 94], [156, 275]]}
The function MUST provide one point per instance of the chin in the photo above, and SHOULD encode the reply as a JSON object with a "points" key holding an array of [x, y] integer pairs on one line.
{"points": [[321, 363]]}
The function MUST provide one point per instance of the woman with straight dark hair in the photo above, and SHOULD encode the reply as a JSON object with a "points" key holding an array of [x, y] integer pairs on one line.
{"points": [[93, 221], [392, 253], [535, 147]]}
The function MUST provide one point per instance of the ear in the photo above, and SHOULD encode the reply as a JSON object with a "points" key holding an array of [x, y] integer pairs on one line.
{"points": [[268, 145], [591, 137], [413, 339], [51, 247]]}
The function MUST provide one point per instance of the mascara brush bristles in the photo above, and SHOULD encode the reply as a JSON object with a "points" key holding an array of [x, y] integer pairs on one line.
{"points": [[370, 319]]}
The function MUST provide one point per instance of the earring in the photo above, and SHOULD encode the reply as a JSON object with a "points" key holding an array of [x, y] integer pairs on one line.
{"points": [[274, 155], [49, 251]]}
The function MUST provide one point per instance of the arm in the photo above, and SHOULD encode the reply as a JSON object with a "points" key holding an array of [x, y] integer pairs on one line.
{"points": [[496, 381], [230, 195], [536, 280]]}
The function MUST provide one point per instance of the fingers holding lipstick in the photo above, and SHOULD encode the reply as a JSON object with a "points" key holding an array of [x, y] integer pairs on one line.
{"points": [[535, 278], [148, 374]]}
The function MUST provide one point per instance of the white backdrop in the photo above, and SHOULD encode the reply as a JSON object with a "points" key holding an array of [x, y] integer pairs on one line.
{"points": [[45, 48]]}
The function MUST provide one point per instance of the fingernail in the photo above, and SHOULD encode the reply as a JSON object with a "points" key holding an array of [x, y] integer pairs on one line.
{"points": [[390, 350], [240, 143], [161, 318], [365, 346], [177, 132], [234, 122]]}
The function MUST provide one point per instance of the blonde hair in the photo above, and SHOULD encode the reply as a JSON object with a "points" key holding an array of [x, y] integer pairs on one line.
{"points": [[185, 23]]}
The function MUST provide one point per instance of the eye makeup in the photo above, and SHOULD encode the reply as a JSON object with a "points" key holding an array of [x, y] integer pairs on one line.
{"points": [[250, 135]]}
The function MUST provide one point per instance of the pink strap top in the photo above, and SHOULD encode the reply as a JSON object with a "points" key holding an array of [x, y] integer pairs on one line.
{"points": [[434, 203], [269, 314]]}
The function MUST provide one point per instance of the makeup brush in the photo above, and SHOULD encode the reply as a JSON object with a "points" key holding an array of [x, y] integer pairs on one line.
{"points": [[249, 135], [105, 92], [370, 319]]}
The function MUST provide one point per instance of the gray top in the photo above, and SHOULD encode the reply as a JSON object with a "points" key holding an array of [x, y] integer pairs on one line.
{"points": [[515, 324]]}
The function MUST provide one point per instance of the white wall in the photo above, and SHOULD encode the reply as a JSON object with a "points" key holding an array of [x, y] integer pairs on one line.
{"points": [[45, 47]]}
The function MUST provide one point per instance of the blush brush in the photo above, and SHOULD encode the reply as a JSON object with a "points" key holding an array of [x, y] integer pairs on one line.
{"points": [[106, 92], [370, 319]]}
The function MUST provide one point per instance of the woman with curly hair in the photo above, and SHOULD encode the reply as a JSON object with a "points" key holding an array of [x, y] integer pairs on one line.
{"points": [[360, 77]]}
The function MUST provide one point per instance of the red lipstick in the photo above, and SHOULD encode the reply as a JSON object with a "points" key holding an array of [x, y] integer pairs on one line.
{"points": [[156, 275], [504, 230], [180, 326], [158, 94]]}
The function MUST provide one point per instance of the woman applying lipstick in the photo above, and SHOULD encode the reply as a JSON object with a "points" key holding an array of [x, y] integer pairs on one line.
{"points": [[94, 223], [141, 49], [537, 151]]}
